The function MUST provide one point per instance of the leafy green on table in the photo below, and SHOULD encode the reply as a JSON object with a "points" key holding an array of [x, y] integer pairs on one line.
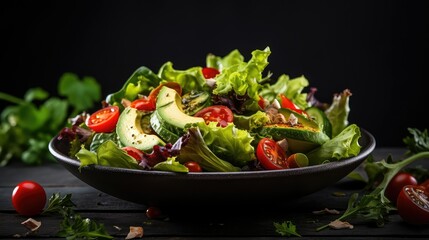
{"points": [[73, 225], [286, 228], [374, 206], [58, 204], [28, 124]]}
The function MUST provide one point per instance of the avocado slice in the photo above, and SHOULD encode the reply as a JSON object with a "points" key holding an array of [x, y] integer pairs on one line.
{"points": [[131, 130], [170, 113], [301, 119], [302, 137]]}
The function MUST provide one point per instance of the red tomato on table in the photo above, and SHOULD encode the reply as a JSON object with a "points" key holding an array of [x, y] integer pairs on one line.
{"points": [[397, 183], [29, 198], [104, 120], [216, 113]]}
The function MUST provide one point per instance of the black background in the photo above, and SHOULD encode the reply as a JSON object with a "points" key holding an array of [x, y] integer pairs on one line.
{"points": [[377, 49]]}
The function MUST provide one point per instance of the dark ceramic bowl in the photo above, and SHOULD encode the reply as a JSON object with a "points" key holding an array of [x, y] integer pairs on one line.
{"points": [[168, 189]]}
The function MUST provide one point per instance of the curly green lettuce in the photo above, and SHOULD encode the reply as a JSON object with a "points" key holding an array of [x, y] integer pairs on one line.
{"points": [[243, 78]]}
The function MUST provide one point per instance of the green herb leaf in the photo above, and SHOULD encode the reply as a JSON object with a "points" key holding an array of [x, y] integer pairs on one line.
{"points": [[74, 226], [81, 94], [58, 204], [286, 228], [418, 142], [27, 126]]}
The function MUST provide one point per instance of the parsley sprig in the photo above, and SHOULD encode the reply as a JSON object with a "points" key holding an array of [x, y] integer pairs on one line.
{"points": [[73, 226], [286, 228]]}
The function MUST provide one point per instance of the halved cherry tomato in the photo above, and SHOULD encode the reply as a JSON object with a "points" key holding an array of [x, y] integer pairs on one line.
{"points": [[397, 183], [271, 155], [413, 205], [287, 103], [137, 154], [216, 113], [29, 198], [209, 72], [193, 166], [144, 104], [104, 120]]}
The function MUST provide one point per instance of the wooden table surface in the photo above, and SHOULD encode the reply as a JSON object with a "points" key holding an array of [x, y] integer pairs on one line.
{"points": [[250, 223]]}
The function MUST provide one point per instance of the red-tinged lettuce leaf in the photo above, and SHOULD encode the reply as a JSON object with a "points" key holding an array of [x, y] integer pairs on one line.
{"points": [[193, 148], [338, 112]]}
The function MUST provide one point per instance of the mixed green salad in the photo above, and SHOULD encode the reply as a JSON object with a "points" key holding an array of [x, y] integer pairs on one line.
{"points": [[229, 115]]}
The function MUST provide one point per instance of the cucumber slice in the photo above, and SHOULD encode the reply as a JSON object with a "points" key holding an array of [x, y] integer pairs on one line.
{"points": [[321, 119]]}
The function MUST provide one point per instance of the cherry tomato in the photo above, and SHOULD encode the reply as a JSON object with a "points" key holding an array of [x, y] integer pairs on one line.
{"points": [[144, 104], [193, 166], [271, 155], [153, 212], [209, 72], [216, 113], [397, 183], [137, 154], [29, 198], [104, 120], [413, 205]]}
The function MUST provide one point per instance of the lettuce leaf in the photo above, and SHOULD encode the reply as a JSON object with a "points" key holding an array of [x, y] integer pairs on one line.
{"points": [[243, 78], [344, 145], [190, 79], [193, 148], [233, 58], [108, 154], [171, 165], [228, 143], [142, 81], [338, 111], [291, 88], [251, 122]]}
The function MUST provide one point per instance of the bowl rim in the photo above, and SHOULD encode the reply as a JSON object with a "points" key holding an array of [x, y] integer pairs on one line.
{"points": [[367, 147]]}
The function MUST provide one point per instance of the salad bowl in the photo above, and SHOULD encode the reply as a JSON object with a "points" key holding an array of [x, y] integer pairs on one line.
{"points": [[159, 188]]}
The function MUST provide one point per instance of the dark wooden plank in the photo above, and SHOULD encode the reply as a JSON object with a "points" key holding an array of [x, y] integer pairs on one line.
{"points": [[50, 174], [247, 225], [86, 199]]}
